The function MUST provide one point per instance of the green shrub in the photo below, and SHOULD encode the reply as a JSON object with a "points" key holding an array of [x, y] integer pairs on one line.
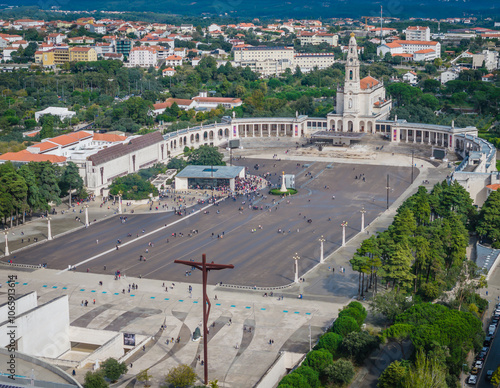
{"points": [[344, 325], [318, 359], [331, 342], [340, 372]]}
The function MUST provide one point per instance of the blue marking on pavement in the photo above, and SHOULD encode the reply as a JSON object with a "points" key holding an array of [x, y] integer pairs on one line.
{"points": [[105, 292], [83, 289], [285, 311], [181, 300], [25, 284], [16, 282], [116, 293], [54, 286], [296, 312], [132, 295], [195, 301], [308, 313], [263, 309], [233, 305], [92, 291], [217, 304], [167, 299], [65, 288], [44, 286], [247, 307], [153, 297]]}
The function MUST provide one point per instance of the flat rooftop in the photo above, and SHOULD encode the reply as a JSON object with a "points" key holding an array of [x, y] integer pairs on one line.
{"points": [[219, 172], [332, 135]]}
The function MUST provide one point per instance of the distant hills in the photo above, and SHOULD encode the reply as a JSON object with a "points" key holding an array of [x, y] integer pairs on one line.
{"points": [[283, 8]]}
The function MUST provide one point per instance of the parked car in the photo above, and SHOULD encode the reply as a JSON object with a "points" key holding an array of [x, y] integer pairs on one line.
{"points": [[487, 341], [481, 356], [474, 371], [485, 349], [479, 364], [489, 374], [472, 380]]}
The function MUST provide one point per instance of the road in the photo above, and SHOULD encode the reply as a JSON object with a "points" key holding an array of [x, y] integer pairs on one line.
{"points": [[493, 359], [263, 257]]}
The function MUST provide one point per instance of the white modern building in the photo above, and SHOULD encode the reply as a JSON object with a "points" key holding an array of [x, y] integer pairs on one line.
{"points": [[420, 50], [143, 56], [316, 38], [448, 75], [62, 113], [308, 62], [418, 33]]}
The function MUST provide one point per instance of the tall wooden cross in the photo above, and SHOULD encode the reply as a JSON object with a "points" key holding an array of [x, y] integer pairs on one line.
{"points": [[204, 268]]}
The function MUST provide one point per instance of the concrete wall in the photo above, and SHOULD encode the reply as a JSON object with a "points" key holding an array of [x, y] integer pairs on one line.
{"points": [[22, 304], [285, 362], [42, 331], [90, 336], [111, 349]]}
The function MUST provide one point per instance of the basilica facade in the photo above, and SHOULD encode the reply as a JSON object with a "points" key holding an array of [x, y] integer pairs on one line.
{"points": [[360, 102]]}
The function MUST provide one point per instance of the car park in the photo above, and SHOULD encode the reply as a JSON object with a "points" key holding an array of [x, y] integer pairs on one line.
{"points": [[489, 374]]}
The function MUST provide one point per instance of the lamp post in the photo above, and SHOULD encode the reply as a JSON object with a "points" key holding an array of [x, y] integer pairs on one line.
{"points": [[343, 224], [363, 211], [120, 202], [86, 215], [296, 258], [388, 188], [412, 164], [7, 253], [321, 256], [49, 230]]}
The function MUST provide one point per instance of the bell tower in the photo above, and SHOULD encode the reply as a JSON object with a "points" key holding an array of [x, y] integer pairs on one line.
{"points": [[352, 81]]}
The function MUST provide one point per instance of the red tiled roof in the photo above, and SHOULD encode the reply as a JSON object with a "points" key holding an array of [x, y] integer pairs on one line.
{"points": [[494, 186], [368, 82], [26, 156], [426, 51], [111, 137]]}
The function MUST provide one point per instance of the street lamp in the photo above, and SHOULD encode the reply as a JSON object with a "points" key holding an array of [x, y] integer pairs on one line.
{"points": [[363, 211], [296, 258], [49, 230], [412, 164], [321, 257], [343, 224], [120, 202], [86, 207], [7, 253]]}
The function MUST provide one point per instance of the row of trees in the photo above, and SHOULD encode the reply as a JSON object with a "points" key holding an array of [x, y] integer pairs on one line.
{"points": [[345, 343], [34, 187], [442, 337], [423, 251]]}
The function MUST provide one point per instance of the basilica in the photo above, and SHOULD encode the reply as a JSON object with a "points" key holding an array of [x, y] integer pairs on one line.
{"points": [[360, 102]]}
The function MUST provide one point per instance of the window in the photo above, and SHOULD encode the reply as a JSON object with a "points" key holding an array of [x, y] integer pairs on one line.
{"points": [[350, 74]]}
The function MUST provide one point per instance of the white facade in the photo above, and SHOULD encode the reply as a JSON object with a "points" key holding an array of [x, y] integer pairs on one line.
{"points": [[63, 113], [418, 33], [448, 75], [410, 77], [489, 58], [419, 49], [318, 38], [307, 62], [143, 57]]}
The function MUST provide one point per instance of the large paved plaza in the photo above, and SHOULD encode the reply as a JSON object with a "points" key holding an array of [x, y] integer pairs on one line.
{"points": [[262, 257]]}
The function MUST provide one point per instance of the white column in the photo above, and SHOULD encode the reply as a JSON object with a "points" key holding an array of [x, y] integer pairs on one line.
{"points": [[363, 211], [119, 203], [344, 224], [86, 216], [296, 258], [7, 253], [49, 229], [260, 129], [406, 136], [321, 256]]}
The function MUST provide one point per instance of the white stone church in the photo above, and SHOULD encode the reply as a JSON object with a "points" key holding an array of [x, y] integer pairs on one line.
{"points": [[360, 102]]}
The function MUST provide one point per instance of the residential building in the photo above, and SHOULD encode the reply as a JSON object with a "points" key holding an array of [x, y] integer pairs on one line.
{"points": [[307, 62], [61, 55], [11, 38], [7, 53], [265, 60], [98, 28], [375, 31], [202, 102], [143, 56], [55, 38], [45, 58], [173, 61], [316, 38], [82, 54], [420, 50], [81, 40], [488, 78], [410, 77], [168, 72], [418, 33], [487, 58], [123, 46], [113, 56], [448, 75]]}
